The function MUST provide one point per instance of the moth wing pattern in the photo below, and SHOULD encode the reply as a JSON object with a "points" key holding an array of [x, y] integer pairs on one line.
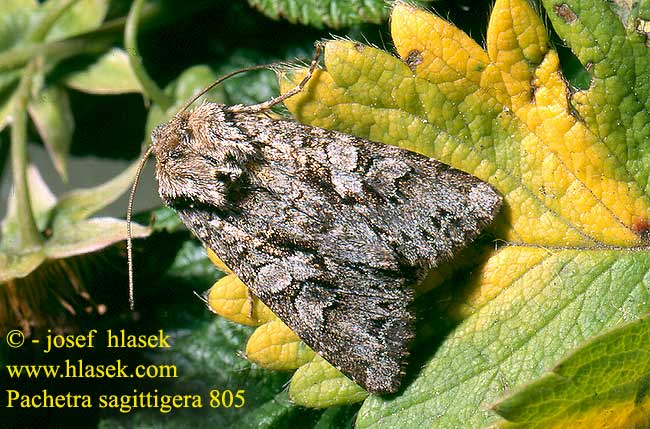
{"points": [[364, 333], [327, 229]]}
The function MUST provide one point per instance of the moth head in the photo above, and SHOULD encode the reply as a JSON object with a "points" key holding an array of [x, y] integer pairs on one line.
{"points": [[200, 155]]}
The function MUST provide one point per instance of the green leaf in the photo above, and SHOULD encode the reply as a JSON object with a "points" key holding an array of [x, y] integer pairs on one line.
{"points": [[64, 222], [53, 119], [15, 20], [572, 167], [87, 236], [83, 16], [277, 412], [191, 262], [110, 74], [544, 311], [320, 385], [42, 202], [81, 203], [603, 384], [281, 412], [15, 266], [14, 261], [620, 93], [247, 88], [166, 219], [331, 13], [337, 417]]}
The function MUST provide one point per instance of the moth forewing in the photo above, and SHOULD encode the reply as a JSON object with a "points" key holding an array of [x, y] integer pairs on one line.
{"points": [[327, 229]]}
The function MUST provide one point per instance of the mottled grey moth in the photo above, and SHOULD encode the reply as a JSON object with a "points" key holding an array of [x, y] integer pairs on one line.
{"points": [[327, 229]]}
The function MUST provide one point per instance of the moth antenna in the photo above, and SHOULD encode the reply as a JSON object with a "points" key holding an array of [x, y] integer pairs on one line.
{"points": [[266, 105], [221, 79], [129, 214]]}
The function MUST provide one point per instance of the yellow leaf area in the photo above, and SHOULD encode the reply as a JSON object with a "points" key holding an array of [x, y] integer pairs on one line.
{"points": [[502, 114]]}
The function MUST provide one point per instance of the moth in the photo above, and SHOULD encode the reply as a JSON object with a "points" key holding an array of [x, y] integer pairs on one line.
{"points": [[327, 229]]}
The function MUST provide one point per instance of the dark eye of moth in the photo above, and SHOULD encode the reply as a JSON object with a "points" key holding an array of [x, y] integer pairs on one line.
{"points": [[222, 177]]}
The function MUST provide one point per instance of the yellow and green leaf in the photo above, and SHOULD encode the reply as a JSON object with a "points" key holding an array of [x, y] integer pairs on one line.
{"points": [[571, 258], [604, 385]]}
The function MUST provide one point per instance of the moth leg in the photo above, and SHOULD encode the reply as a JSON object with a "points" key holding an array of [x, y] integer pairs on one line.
{"points": [[260, 107]]}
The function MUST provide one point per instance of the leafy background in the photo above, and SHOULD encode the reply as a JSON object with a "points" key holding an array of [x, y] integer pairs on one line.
{"points": [[183, 47]]}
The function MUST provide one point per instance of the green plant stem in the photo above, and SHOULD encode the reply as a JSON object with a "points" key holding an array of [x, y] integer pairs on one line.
{"points": [[58, 50], [29, 234], [18, 57], [131, 44], [45, 25]]}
